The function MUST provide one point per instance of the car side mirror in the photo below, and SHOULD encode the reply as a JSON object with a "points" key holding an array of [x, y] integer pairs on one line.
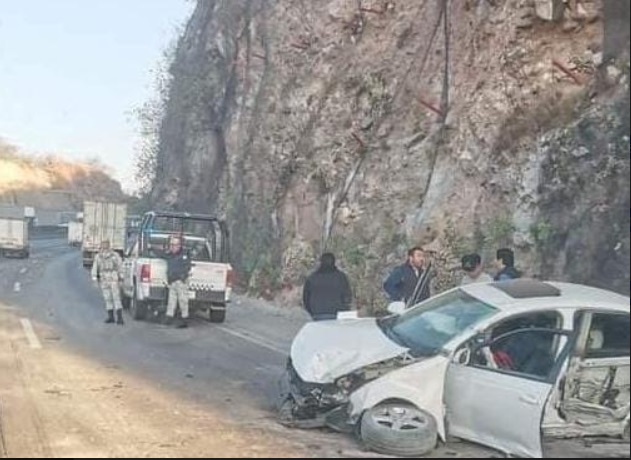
{"points": [[462, 357], [396, 308]]}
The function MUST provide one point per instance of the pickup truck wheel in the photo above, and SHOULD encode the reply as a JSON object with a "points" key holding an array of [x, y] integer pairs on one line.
{"points": [[399, 429], [217, 315], [138, 309]]}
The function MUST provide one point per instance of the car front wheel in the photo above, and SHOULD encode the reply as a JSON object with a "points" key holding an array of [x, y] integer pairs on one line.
{"points": [[399, 429]]}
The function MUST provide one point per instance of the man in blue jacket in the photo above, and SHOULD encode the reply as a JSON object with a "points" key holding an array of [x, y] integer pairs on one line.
{"points": [[402, 284]]}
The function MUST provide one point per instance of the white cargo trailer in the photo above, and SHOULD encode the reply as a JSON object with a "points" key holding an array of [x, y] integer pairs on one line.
{"points": [[102, 222], [75, 233], [14, 240]]}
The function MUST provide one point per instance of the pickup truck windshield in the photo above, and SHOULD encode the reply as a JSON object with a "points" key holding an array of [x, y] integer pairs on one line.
{"points": [[187, 226], [157, 246]]}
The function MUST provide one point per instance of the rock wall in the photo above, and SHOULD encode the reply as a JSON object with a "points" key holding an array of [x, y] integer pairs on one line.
{"points": [[366, 126]]}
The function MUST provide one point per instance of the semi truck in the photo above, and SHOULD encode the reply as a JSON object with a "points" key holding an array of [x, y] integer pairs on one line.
{"points": [[14, 237], [102, 221], [75, 234]]}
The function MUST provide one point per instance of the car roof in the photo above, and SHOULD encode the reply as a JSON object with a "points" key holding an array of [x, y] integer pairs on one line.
{"points": [[539, 295]]}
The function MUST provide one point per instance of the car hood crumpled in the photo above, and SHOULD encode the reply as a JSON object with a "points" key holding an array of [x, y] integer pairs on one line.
{"points": [[325, 351]]}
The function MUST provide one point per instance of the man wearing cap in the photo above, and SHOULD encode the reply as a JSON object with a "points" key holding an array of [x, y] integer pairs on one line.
{"points": [[105, 272], [474, 271]]}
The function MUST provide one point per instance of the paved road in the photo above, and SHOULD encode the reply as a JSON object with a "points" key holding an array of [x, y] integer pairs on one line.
{"points": [[71, 386], [231, 370]]}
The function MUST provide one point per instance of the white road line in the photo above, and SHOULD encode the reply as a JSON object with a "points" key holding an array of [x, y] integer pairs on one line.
{"points": [[33, 341], [254, 340]]}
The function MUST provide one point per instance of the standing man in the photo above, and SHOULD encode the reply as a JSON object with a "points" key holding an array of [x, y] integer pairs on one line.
{"points": [[179, 267], [105, 271], [327, 291], [474, 271], [505, 262], [409, 282]]}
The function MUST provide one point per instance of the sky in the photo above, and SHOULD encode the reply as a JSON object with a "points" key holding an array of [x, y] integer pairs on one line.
{"points": [[71, 71]]}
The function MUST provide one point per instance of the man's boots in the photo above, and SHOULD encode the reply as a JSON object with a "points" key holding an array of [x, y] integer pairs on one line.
{"points": [[110, 317], [183, 324], [119, 318]]}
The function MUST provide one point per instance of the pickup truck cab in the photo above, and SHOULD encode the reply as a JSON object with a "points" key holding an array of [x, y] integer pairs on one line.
{"points": [[144, 286]]}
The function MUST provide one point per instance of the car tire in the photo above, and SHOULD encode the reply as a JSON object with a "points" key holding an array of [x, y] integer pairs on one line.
{"points": [[399, 429], [137, 308], [217, 316]]}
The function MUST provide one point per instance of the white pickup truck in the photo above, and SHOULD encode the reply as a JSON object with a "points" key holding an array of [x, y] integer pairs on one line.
{"points": [[144, 287]]}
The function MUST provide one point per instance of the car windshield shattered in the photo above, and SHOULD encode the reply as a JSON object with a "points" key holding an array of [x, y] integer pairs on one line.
{"points": [[426, 329]]}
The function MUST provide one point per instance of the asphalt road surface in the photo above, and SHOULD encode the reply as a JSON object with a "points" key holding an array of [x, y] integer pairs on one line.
{"points": [[71, 386]]}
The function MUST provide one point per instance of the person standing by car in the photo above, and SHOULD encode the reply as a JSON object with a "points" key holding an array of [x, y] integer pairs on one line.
{"points": [[409, 282], [474, 271], [505, 262], [179, 266], [327, 291], [105, 272]]}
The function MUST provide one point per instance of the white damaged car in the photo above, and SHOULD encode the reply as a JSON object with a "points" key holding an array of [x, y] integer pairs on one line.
{"points": [[507, 365]]}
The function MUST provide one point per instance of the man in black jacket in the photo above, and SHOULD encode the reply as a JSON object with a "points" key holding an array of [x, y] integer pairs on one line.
{"points": [[404, 283], [179, 267], [327, 291]]}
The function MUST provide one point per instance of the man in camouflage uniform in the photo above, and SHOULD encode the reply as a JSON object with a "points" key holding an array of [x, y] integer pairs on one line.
{"points": [[105, 271]]}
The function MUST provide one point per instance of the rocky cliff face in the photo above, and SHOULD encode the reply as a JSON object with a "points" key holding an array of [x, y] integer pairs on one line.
{"points": [[366, 126]]}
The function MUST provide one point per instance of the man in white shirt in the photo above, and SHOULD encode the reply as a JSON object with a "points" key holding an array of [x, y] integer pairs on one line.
{"points": [[474, 271]]}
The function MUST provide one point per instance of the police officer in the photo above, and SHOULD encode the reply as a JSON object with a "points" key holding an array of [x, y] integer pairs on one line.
{"points": [[179, 267], [105, 271]]}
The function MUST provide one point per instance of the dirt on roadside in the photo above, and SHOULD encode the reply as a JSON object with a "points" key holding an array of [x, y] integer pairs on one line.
{"points": [[57, 404]]}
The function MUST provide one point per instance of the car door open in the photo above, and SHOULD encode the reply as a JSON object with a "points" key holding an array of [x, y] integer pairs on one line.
{"points": [[595, 395]]}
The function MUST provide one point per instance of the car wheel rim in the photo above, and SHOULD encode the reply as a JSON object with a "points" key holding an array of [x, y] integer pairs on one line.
{"points": [[400, 419]]}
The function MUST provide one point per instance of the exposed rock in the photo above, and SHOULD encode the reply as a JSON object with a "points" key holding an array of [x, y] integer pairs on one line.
{"points": [[580, 152], [327, 144], [550, 10], [614, 73]]}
